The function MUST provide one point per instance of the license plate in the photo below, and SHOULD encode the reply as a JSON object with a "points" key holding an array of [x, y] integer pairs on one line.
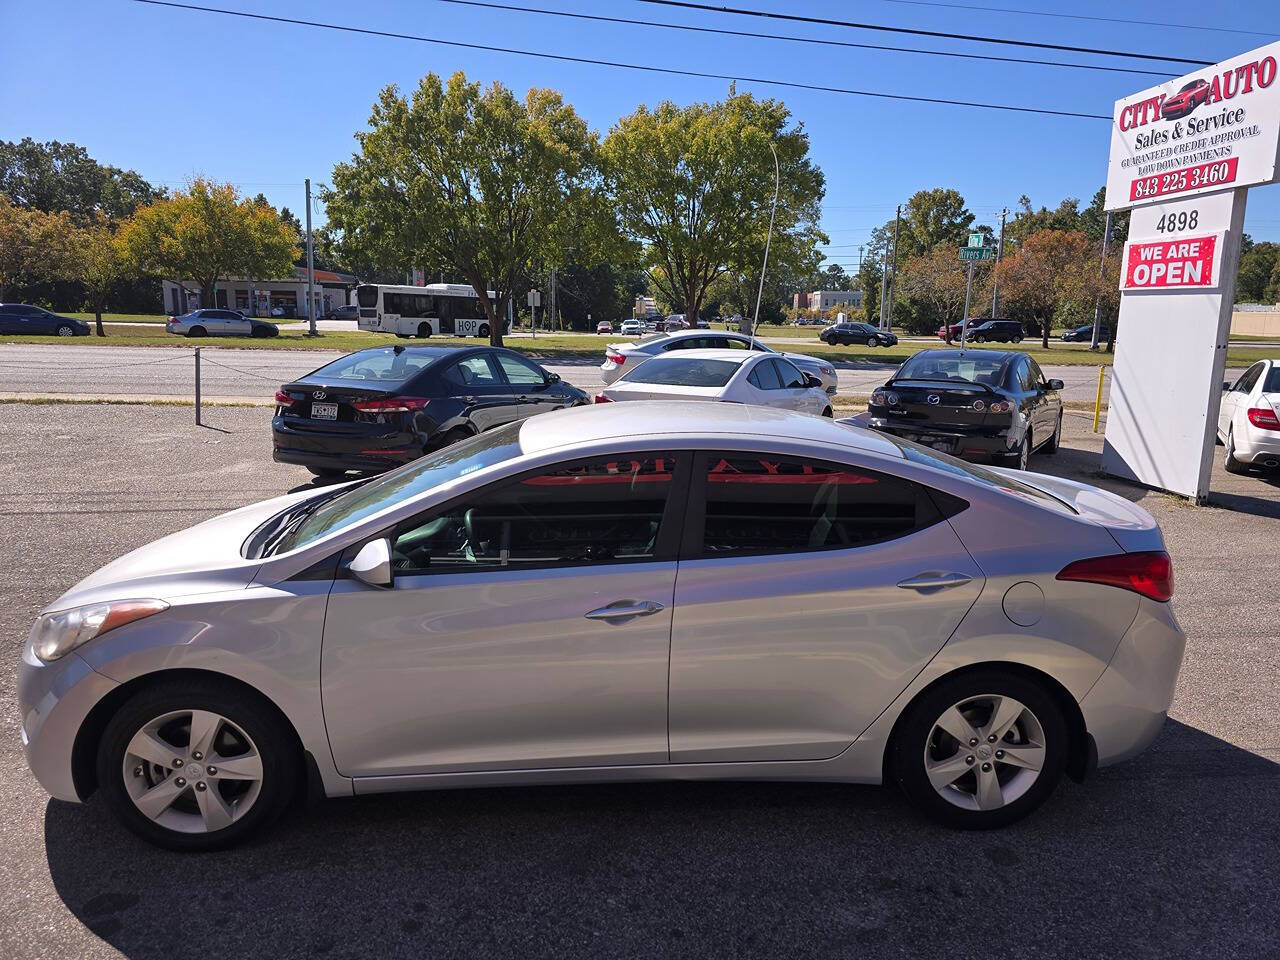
{"points": [[324, 411]]}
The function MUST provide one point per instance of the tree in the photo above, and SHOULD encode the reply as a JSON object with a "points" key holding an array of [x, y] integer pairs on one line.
{"points": [[587, 295], [1050, 268], [932, 217], [56, 177], [832, 277], [479, 184], [937, 280], [206, 234], [1256, 266], [793, 257], [35, 246], [101, 262], [695, 186]]}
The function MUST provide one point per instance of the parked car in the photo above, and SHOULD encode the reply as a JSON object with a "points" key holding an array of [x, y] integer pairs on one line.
{"points": [[1249, 418], [618, 355], [378, 408], [976, 404], [22, 319], [346, 312], [675, 322], [702, 324], [1084, 334], [211, 322], [1190, 96], [732, 376], [847, 334], [507, 611], [604, 326], [1002, 331], [632, 328]]}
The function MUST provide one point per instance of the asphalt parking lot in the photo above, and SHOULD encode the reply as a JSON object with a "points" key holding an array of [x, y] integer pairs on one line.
{"points": [[1174, 854]]}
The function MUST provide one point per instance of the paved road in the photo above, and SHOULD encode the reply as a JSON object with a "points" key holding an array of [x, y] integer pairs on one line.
{"points": [[230, 373], [1174, 855]]}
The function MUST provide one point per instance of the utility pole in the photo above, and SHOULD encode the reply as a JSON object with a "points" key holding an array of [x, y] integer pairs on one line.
{"points": [[884, 281], [555, 314], [1097, 302], [860, 246], [311, 270], [995, 285], [897, 220]]}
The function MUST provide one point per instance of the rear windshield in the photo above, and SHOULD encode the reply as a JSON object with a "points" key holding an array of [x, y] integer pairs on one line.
{"points": [[651, 338], [684, 372], [974, 368], [450, 463], [972, 471], [367, 296], [383, 367], [1272, 383]]}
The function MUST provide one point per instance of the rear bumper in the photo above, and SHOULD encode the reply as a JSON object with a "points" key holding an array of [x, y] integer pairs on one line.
{"points": [[327, 451], [1128, 705], [1253, 445], [992, 443]]}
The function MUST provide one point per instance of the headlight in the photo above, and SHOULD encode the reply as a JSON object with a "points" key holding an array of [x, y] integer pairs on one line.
{"points": [[829, 370], [57, 634]]}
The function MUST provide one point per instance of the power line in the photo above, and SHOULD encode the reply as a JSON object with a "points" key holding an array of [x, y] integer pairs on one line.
{"points": [[565, 58], [1198, 27], [791, 39], [767, 15]]}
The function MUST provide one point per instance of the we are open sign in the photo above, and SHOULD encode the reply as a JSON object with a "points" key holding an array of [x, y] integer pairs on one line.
{"points": [[1187, 262]]}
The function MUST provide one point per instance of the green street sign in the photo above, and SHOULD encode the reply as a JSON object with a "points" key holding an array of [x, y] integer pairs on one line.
{"points": [[976, 240], [977, 253]]}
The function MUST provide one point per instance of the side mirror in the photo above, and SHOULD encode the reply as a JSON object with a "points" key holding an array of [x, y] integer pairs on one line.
{"points": [[1054, 385], [372, 565], [811, 380], [1226, 385]]}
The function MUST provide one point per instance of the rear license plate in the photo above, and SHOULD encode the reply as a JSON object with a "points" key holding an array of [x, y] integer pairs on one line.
{"points": [[324, 411]]}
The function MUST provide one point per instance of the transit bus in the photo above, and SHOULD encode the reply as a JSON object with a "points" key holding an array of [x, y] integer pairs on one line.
{"points": [[452, 309]]}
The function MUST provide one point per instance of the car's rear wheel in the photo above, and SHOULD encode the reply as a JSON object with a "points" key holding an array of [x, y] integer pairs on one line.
{"points": [[196, 332], [196, 764], [1017, 338], [1229, 461], [424, 330], [979, 338], [981, 749], [451, 437], [1019, 459], [66, 330], [1051, 445], [483, 331]]}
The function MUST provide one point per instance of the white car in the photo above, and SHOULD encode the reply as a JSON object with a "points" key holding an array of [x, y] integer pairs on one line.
{"points": [[632, 328], [730, 376], [619, 355], [1249, 418]]}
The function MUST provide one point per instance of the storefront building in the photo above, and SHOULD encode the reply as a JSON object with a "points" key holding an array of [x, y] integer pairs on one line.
{"points": [[282, 299]]}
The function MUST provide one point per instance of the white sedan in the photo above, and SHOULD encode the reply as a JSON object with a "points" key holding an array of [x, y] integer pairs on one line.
{"points": [[730, 376], [619, 355], [1249, 418]]}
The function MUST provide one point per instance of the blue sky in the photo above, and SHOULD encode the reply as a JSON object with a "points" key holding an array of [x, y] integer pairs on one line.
{"points": [[173, 93]]}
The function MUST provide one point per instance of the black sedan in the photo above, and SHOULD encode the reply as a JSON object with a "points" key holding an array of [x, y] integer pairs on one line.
{"points": [[378, 408], [848, 334], [24, 319], [1084, 334], [987, 405]]}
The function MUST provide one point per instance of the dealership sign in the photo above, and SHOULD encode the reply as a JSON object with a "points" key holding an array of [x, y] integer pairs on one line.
{"points": [[1184, 263], [1213, 129]]}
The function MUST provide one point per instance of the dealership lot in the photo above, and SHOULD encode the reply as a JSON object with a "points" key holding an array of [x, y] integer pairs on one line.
{"points": [[1173, 854]]}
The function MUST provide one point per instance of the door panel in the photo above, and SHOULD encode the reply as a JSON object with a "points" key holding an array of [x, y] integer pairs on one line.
{"points": [[497, 670], [489, 400]]}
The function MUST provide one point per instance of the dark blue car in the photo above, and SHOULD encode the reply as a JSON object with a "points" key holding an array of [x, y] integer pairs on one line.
{"points": [[21, 318]]}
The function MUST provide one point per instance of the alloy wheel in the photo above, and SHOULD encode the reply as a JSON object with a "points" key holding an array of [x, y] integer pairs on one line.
{"points": [[192, 771], [65, 331], [984, 752]]}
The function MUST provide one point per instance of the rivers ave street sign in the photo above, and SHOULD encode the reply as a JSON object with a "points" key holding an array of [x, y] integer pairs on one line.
{"points": [[977, 253]]}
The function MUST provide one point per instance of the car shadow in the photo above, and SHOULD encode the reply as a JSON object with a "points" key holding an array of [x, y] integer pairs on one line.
{"points": [[1167, 855]]}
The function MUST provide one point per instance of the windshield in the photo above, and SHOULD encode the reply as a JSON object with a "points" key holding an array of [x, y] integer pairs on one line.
{"points": [[974, 367], [385, 367], [684, 371], [435, 469]]}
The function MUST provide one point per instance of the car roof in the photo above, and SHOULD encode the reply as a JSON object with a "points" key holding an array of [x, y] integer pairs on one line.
{"points": [[663, 419], [717, 353]]}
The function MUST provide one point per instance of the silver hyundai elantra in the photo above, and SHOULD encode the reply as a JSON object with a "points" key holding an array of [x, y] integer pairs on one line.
{"points": [[622, 592]]}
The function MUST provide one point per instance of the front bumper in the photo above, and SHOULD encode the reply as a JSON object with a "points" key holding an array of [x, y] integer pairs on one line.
{"points": [[992, 443], [53, 701], [1128, 705]]}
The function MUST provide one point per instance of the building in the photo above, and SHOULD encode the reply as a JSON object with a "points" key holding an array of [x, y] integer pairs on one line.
{"points": [[282, 298], [800, 301], [823, 300]]}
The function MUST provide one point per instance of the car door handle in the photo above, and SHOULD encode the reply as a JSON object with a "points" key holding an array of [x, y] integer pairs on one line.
{"points": [[934, 580], [621, 609]]}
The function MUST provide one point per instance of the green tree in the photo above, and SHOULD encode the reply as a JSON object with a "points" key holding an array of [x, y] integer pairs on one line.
{"points": [[35, 247], [56, 177], [1256, 267], [934, 280], [479, 184], [695, 186], [832, 277], [1050, 268], [100, 263], [206, 234], [930, 218], [868, 281]]}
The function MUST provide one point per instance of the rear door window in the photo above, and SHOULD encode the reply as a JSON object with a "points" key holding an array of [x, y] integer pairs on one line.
{"points": [[474, 371]]}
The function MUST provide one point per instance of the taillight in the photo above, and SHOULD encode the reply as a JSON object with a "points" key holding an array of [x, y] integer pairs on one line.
{"points": [[601, 398], [617, 358], [283, 399], [1000, 406], [394, 405], [1264, 418], [1149, 573]]}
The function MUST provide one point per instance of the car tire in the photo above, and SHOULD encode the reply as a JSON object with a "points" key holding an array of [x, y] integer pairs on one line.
{"points": [[871, 341], [260, 332], [979, 339], [483, 331], [132, 761], [1020, 459], [1017, 339], [197, 332], [1229, 461], [969, 703], [424, 330], [1051, 445], [65, 330], [451, 437]]}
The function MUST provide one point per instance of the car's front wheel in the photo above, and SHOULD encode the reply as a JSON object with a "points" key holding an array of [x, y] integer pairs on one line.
{"points": [[981, 749], [196, 764]]}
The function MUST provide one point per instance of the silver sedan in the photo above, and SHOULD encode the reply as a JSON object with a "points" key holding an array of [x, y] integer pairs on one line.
{"points": [[617, 592]]}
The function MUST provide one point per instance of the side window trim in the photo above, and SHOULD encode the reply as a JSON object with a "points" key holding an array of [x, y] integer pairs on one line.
{"points": [[666, 548]]}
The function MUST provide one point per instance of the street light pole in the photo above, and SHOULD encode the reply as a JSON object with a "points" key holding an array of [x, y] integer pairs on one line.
{"points": [[1097, 301], [995, 284], [897, 220], [777, 182]]}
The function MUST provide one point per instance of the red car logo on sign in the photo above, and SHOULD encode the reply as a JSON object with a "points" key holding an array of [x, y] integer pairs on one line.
{"points": [[1185, 100]]}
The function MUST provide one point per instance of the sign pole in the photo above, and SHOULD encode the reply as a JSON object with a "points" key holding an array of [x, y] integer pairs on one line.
{"points": [[1097, 303], [964, 320]]}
